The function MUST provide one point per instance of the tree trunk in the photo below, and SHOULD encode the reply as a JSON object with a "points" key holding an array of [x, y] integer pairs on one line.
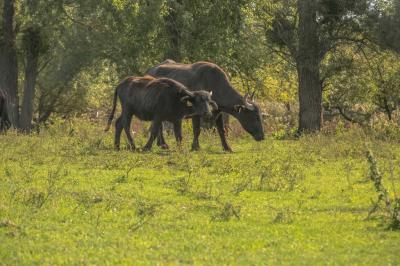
{"points": [[9, 63], [32, 49], [173, 30], [308, 62]]}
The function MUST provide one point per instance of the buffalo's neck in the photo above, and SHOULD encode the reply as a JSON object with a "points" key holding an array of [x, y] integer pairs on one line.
{"points": [[228, 98]]}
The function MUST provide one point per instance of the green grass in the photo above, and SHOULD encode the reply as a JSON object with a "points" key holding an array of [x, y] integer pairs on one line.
{"points": [[67, 198]]}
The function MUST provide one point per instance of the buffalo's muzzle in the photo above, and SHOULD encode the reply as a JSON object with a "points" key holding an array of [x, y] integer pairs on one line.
{"points": [[207, 114]]}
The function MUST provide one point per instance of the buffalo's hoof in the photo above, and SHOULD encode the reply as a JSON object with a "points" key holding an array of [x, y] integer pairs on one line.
{"points": [[146, 149], [195, 148], [164, 146]]}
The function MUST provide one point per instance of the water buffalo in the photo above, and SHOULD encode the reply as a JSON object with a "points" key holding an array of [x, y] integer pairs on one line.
{"points": [[157, 100], [210, 77], [4, 120]]}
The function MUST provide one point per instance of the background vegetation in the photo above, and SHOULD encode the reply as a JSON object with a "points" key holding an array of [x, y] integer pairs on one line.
{"points": [[64, 58]]}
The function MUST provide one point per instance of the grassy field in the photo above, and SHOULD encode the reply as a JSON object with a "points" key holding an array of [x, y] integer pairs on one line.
{"points": [[67, 198]]}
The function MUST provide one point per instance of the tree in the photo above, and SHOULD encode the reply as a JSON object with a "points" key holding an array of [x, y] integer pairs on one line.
{"points": [[386, 21], [9, 61], [308, 59], [304, 33], [173, 29]]}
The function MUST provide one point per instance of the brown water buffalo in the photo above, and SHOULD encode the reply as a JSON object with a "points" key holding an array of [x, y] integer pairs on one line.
{"points": [[157, 100], [210, 77], [4, 120]]}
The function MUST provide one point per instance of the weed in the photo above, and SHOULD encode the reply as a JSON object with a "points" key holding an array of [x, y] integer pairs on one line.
{"points": [[183, 184], [348, 169], [282, 174], [242, 186], [145, 208], [123, 178], [86, 199], [13, 230], [388, 207], [145, 211], [226, 211], [283, 216]]}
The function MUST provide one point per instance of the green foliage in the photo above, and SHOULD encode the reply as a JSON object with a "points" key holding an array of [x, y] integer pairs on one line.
{"points": [[367, 82]]}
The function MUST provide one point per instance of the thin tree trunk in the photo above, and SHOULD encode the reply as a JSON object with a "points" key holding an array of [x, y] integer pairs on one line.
{"points": [[9, 63], [387, 108], [173, 30], [308, 63], [32, 43]]}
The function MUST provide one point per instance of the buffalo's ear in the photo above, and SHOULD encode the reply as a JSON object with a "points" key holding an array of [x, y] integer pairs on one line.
{"points": [[186, 99], [238, 108], [264, 115]]}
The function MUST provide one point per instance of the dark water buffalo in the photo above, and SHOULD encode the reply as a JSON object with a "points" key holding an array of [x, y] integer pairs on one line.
{"points": [[4, 120], [157, 100], [210, 77]]}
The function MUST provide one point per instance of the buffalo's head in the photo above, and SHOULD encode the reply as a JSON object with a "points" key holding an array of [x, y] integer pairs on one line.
{"points": [[249, 116], [200, 102]]}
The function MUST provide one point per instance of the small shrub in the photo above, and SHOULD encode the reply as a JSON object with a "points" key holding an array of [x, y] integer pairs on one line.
{"points": [[226, 212], [145, 211], [285, 134], [242, 186], [283, 174], [35, 198], [283, 217], [145, 208]]}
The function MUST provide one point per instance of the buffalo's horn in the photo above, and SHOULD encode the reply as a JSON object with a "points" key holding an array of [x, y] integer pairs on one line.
{"points": [[252, 95], [246, 96], [214, 105], [250, 106], [238, 108], [187, 92]]}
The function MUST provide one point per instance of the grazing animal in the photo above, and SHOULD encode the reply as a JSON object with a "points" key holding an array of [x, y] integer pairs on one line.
{"points": [[4, 120], [210, 77], [157, 100]]}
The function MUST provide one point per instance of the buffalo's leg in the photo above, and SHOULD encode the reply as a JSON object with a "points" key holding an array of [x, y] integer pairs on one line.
{"points": [[154, 131], [221, 131], [196, 133], [160, 139], [178, 132], [127, 127], [118, 131]]}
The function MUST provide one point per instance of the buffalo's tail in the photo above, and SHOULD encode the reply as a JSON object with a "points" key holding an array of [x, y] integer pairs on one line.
{"points": [[111, 117], [4, 118]]}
